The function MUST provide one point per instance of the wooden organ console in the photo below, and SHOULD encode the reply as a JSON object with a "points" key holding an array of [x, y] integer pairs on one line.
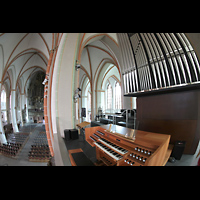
{"points": [[127, 147]]}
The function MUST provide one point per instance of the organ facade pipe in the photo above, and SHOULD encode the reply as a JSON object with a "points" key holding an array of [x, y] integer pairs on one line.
{"points": [[129, 65]]}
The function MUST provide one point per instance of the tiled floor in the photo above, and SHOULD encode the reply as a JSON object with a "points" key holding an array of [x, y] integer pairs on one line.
{"points": [[22, 159], [186, 160], [89, 151]]}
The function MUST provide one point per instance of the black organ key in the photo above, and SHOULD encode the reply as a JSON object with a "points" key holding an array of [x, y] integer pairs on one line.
{"points": [[92, 138], [116, 147]]}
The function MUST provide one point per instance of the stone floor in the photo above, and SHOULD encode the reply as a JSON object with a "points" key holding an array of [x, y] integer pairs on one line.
{"points": [[22, 158], [186, 160], [88, 150]]}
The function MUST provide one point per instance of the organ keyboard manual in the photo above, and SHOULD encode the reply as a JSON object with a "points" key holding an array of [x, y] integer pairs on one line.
{"points": [[120, 146]]}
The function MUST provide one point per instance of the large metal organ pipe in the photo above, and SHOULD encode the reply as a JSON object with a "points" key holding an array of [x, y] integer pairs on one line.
{"points": [[155, 61]]}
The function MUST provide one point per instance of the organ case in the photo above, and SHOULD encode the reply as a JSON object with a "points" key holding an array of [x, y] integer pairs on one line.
{"points": [[128, 147]]}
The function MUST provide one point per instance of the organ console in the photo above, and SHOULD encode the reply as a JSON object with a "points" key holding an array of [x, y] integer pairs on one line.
{"points": [[127, 147]]}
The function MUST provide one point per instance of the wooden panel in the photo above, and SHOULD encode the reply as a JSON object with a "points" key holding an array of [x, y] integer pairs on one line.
{"points": [[176, 106], [158, 159], [175, 114], [89, 132]]}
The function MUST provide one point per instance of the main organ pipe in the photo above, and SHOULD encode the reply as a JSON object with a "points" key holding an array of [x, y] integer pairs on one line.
{"points": [[153, 61]]}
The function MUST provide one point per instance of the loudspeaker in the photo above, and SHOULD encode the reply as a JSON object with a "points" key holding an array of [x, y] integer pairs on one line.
{"points": [[67, 134], [178, 149], [73, 134], [83, 112]]}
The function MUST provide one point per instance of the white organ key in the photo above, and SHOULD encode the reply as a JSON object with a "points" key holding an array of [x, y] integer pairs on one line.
{"points": [[109, 153], [118, 150]]}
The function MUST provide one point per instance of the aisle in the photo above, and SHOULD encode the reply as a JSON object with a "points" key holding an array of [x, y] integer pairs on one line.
{"points": [[22, 159]]}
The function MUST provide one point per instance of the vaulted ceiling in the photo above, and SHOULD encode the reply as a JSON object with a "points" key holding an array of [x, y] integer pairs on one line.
{"points": [[98, 52], [22, 54]]}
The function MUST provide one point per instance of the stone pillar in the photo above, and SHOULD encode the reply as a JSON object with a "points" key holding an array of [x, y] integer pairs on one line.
{"points": [[13, 111]]}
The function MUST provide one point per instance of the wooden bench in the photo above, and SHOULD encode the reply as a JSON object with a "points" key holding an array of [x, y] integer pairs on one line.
{"points": [[78, 158]]}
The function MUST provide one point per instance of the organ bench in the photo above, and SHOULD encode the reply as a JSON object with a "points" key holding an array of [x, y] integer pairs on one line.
{"points": [[120, 146]]}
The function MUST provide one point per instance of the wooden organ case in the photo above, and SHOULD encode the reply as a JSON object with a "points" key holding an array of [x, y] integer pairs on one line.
{"points": [[127, 147]]}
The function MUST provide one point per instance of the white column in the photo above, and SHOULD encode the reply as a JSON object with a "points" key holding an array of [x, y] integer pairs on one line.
{"points": [[63, 84], [100, 99], [2, 133], [22, 102], [13, 111], [62, 102]]}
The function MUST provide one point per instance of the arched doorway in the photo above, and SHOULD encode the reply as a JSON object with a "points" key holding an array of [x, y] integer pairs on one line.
{"points": [[107, 99], [85, 104], [35, 97]]}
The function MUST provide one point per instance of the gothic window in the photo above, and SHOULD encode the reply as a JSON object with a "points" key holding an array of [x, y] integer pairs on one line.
{"points": [[3, 104], [117, 96], [109, 97], [89, 106]]}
